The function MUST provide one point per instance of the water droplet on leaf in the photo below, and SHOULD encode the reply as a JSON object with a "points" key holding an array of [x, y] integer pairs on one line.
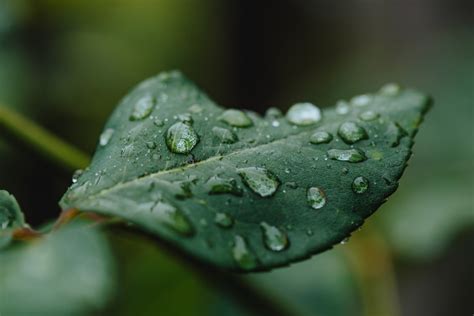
{"points": [[173, 218], [390, 89], [106, 136], [320, 137], [181, 138], [223, 220], [368, 115], [219, 185], [349, 155], [361, 100], [273, 113], [316, 197], [224, 135], [142, 108], [342, 107], [259, 180], [304, 114], [242, 255], [360, 185], [351, 132], [274, 238], [235, 118]]}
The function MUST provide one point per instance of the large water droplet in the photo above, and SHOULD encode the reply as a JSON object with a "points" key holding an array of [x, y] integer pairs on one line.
{"points": [[351, 132], [274, 238], [349, 155], [304, 114], [259, 180], [242, 255], [76, 175], [172, 217], [142, 108], [224, 135], [181, 138], [361, 100], [368, 115], [360, 185], [223, 220], [390, 89], [342, 107], [218, 185], [320, 137], [106, 136], [316, 197], [235, 118]]}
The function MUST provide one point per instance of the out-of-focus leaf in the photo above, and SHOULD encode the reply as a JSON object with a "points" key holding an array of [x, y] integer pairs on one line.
{"points": [[67, 273], [241, 191]]}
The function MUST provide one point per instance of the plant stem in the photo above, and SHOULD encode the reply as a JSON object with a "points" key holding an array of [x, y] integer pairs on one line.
{"points": [[372, 264], [48, 145]]}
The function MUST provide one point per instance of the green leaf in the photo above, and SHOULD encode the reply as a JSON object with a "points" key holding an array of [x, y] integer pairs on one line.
{"points": [[67, 273], [268, 198]]}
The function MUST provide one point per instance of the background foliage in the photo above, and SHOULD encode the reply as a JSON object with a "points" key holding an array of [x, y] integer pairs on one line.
{"points": [[67, 63]]}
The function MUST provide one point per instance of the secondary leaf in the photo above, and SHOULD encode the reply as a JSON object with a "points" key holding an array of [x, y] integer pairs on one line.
{"points": [[67, 273], [241, 191]]}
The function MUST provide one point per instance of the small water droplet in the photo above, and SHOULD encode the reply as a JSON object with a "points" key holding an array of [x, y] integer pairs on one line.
{"points": [[342, 107], [316, 197], [360, 185], [235, 118], [172, 217], [390, 89], [106, 136], [217, 185], [394, 134], [224, 220], [151, 145], [349, 155], [242, 255], [361, 100], [181, 138], [224, 135], [158, 122], [320, 137], [292, 185], [142, 108], [259, 180], [287, 170], [275, 123], [76, 175], [185, 118], [273, 113], [344, 241], [195, 108], [274, 238], [309, 232], [345, 170], [304, 114], [351, 132], [368, 115]]}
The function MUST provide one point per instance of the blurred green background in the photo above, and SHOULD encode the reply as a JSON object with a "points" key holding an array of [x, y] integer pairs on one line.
{"points": [[65, 64]]}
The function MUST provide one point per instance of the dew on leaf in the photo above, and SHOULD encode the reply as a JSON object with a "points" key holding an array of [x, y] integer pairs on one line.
{"points": [[242, 255], [351, 132], [185, 118], [360, 185], [181, 138], [273, 238], [304, 114], [195, 108], [218, 185], [342, 107], [151, 145], [173, 218], [349, 155], [158, 122], [361, 100], [320, 137], [223, 220], [368, 115], [6, 218], [235, 118], [273, 113], [106, 136], [316, 197], [259, 180], [224, 135], [394, 134], [142, 108], [390, 89], [76, 175]]}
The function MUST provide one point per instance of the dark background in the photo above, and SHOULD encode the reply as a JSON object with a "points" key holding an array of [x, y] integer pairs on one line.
{"points": [[65, 64]]}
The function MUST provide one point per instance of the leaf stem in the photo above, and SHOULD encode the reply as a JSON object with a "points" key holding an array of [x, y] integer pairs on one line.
{"points": [[48, 145], [372, 264]]}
